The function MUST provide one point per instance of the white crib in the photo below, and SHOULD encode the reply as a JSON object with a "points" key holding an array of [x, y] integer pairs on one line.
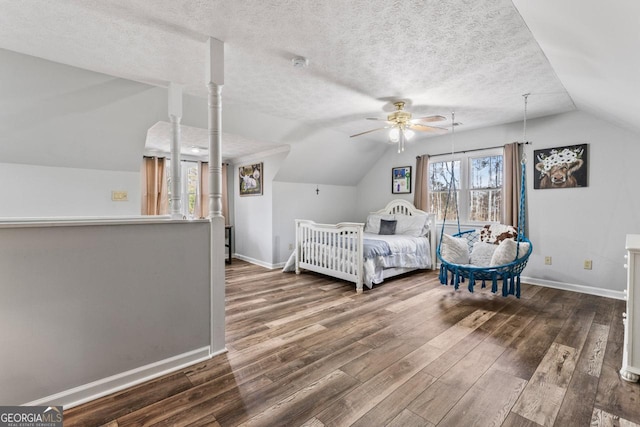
{"points": [[337, 249]]}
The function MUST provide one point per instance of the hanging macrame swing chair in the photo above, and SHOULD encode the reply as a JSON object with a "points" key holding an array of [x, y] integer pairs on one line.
{"points": [[509, 274]]}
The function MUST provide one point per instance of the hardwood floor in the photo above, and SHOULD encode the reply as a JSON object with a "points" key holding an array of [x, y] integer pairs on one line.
{"points": [[307, 351]]}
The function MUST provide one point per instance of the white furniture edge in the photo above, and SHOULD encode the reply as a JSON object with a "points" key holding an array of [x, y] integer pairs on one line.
{"points": [[105, 386], [314, 261], [630, 370], [307, 228]]}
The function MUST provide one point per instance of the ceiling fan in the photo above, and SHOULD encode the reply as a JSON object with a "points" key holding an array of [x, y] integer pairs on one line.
{"points": [[402, 125]]}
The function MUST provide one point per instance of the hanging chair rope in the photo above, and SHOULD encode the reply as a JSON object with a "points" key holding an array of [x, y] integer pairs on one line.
{"points": [[452, 183], [509, 273]]}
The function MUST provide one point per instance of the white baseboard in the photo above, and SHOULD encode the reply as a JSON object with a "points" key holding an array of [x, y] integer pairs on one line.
{"points": [[94, 390], [258, 262], [608, 293]]}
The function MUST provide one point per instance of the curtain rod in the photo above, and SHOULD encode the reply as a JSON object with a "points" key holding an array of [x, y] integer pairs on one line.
{"points": [[472, 150]]}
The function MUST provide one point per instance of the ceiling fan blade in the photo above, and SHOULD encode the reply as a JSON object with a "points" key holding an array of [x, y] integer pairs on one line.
{"points": [[424, 128], [369, 131], [375, 118], [429, 119]]}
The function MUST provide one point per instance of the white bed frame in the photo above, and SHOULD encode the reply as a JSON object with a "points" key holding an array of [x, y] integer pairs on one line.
{"points": [[348, 265]]}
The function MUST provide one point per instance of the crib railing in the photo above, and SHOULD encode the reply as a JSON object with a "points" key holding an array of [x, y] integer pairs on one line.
{"points": [[331, 249]]}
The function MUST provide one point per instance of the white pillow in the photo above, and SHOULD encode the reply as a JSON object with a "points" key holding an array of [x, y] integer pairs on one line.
{"points": [[373, 223], [410, 225], [506, 252], [454, 250], [482, 253]]}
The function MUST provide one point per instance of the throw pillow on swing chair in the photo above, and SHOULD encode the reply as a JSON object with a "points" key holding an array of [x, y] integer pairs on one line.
{"points": [[506, 252], [482, 254], [454, 250], [496, 233]]}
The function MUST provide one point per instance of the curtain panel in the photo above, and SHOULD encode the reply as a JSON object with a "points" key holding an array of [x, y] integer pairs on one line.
{"points": [[421, 197], [155, 195], [512, 171]]}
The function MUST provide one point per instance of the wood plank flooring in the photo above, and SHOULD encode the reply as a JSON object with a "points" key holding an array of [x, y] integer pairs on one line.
{"points": [[307, 351]]}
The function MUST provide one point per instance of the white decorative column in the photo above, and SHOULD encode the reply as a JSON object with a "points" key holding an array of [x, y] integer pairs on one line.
{"points": [[175, 115], [630, 370], [215, 81]]}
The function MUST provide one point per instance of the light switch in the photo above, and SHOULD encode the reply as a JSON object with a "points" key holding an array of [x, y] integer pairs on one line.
{"points": [[119, 196]]}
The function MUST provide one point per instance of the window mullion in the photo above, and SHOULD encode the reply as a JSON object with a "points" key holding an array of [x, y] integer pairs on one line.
{"points": [[464, 190]]}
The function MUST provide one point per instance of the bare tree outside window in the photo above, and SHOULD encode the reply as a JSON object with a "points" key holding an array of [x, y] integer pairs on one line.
{"points": [[439, 183], [478, 182], [485, 194]]}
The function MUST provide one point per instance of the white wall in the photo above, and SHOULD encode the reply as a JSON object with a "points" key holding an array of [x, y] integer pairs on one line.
{"points": [[43, 191], [291, 201], [253, 215], [69, 136], [570, 225], [85, 303], [63, 116]]}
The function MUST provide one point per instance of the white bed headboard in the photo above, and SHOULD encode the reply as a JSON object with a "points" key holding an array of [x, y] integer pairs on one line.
{"points": [[400, 206]]}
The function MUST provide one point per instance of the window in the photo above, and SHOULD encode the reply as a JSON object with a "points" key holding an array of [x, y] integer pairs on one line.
{"points": [[439, 183], [478, 182], [189, 180]]}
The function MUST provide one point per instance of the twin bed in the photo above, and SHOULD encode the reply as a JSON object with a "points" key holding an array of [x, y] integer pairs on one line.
{"points": [[393, 241]]}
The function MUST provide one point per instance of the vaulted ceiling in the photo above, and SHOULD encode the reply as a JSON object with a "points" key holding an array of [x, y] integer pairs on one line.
{"points": [[476, 57]]}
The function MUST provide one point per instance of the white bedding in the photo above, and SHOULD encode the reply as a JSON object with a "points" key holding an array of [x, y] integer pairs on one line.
{"points": [[406, 252]]}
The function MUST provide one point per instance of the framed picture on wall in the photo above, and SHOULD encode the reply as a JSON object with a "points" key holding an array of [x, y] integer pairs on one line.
{"points": [[401, 180], [561, 167], [250, 179]]}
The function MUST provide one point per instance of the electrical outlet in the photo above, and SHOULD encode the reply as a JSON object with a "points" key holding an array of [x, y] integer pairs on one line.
{"points": [[547, 260], [290, 246], [587, 264]]}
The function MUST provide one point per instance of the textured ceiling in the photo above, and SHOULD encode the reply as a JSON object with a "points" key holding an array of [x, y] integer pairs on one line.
{"points": [[474, 56], [594, 51], [195, 143]]}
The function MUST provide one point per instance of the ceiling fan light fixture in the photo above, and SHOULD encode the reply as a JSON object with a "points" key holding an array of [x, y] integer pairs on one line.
{"points": [[401, 126], [394, 134]]}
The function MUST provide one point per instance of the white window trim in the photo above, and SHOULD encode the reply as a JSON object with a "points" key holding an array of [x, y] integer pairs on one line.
{"points": [[184, 184], [463, 201]]}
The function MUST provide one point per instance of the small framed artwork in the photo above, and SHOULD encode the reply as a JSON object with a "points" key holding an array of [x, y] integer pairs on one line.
{"points": [[250, 178], [561, 167], [401, 180]]}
